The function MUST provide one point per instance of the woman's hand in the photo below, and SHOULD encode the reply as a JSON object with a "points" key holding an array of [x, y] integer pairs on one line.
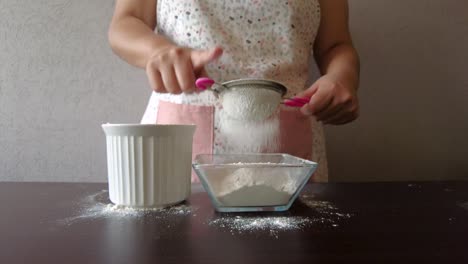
{"points": [[169, 68], [332, 101], [174, 69], [333, 97]]}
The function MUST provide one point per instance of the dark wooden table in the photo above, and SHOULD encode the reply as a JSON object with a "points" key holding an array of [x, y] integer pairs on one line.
{"points": [[349, 223]]}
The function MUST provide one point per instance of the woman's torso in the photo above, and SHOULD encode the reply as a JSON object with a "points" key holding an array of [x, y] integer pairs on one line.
{"points": [[261, 39]]}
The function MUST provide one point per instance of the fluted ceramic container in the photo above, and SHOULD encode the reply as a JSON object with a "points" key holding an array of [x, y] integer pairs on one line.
{"points": [[149, 165]]}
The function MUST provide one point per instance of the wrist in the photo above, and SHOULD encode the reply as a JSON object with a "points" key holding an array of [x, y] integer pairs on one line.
{"points": [[347, 76], [342, 63]]}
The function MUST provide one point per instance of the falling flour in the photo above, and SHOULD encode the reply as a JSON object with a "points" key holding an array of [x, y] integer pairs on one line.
{"points": [[249, 136], [249, 121], [250, 104]]}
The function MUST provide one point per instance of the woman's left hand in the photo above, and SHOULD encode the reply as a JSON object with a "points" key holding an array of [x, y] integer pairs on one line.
{"points": [[332, 101]]}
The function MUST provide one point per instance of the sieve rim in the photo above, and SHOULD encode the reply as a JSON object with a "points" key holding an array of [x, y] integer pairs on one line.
{"points": [[257, 83]]}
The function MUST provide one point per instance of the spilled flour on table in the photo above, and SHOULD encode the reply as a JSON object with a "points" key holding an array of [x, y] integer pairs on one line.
{"points": [[464, 205], [272, 224], [327, 212], [97, 206], [325, 215]]}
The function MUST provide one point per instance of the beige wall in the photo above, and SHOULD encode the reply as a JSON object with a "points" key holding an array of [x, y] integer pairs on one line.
{"points": [[59, 82], [414, 93]]}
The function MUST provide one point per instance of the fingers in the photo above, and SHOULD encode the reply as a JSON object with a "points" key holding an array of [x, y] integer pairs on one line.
{"points": [[163, 80], [185, 76], [202, 73], [342, 117], [172, 80], [308, 93], [200, 58], [175, 69], [171, 84], [319, 101], [331, 110], [155, 80], [339, 112], [331, 102]]}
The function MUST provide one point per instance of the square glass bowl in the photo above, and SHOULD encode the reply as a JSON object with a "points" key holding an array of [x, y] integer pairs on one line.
{"points": [[252, 182]]}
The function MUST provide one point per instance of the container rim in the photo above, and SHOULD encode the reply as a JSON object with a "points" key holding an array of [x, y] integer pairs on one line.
{"points": [[148, 129], [264, 83], [303, 162], [145, 125]]}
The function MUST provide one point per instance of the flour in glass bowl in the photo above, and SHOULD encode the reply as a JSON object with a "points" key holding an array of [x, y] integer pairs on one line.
{"points": [[257, 195], [254, 184]]}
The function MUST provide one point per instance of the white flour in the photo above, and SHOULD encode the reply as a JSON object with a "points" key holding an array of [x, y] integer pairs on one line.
{"points": [[96, 206], [249, 136], [255, 184], [325, 215], [250, 104], [327, 211], [249, 120], [271, 224], [464, 205], [257, 195]]}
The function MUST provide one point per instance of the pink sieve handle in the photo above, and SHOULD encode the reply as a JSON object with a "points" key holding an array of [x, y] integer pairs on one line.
{"points": [[204, 83], [296, 101]]}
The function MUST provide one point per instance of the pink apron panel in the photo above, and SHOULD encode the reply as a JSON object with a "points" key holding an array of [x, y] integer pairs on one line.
{"points": [[295, 128], [201, 116], [296, 136], [295, 133]]}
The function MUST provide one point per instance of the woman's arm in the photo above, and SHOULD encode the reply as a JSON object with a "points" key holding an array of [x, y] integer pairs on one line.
{"points": [[131, 32], [169, 68], [334, 95]]}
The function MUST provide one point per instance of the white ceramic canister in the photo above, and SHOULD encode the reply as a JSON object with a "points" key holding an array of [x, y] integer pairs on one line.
{"points": [[149, 165]]}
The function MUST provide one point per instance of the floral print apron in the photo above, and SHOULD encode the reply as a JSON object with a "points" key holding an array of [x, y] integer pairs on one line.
{"points": [[261, 39]]}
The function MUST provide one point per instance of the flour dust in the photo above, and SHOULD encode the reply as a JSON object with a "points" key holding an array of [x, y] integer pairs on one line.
{"points": [[272, 224], [249, 136], [258, 195], [248, 121], [97, 206], [464, 205], [250, 104], [325, 215], [254, 184]]}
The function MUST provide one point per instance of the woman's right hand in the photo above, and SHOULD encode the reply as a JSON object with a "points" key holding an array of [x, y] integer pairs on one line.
{"points": [[173, 69]]}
